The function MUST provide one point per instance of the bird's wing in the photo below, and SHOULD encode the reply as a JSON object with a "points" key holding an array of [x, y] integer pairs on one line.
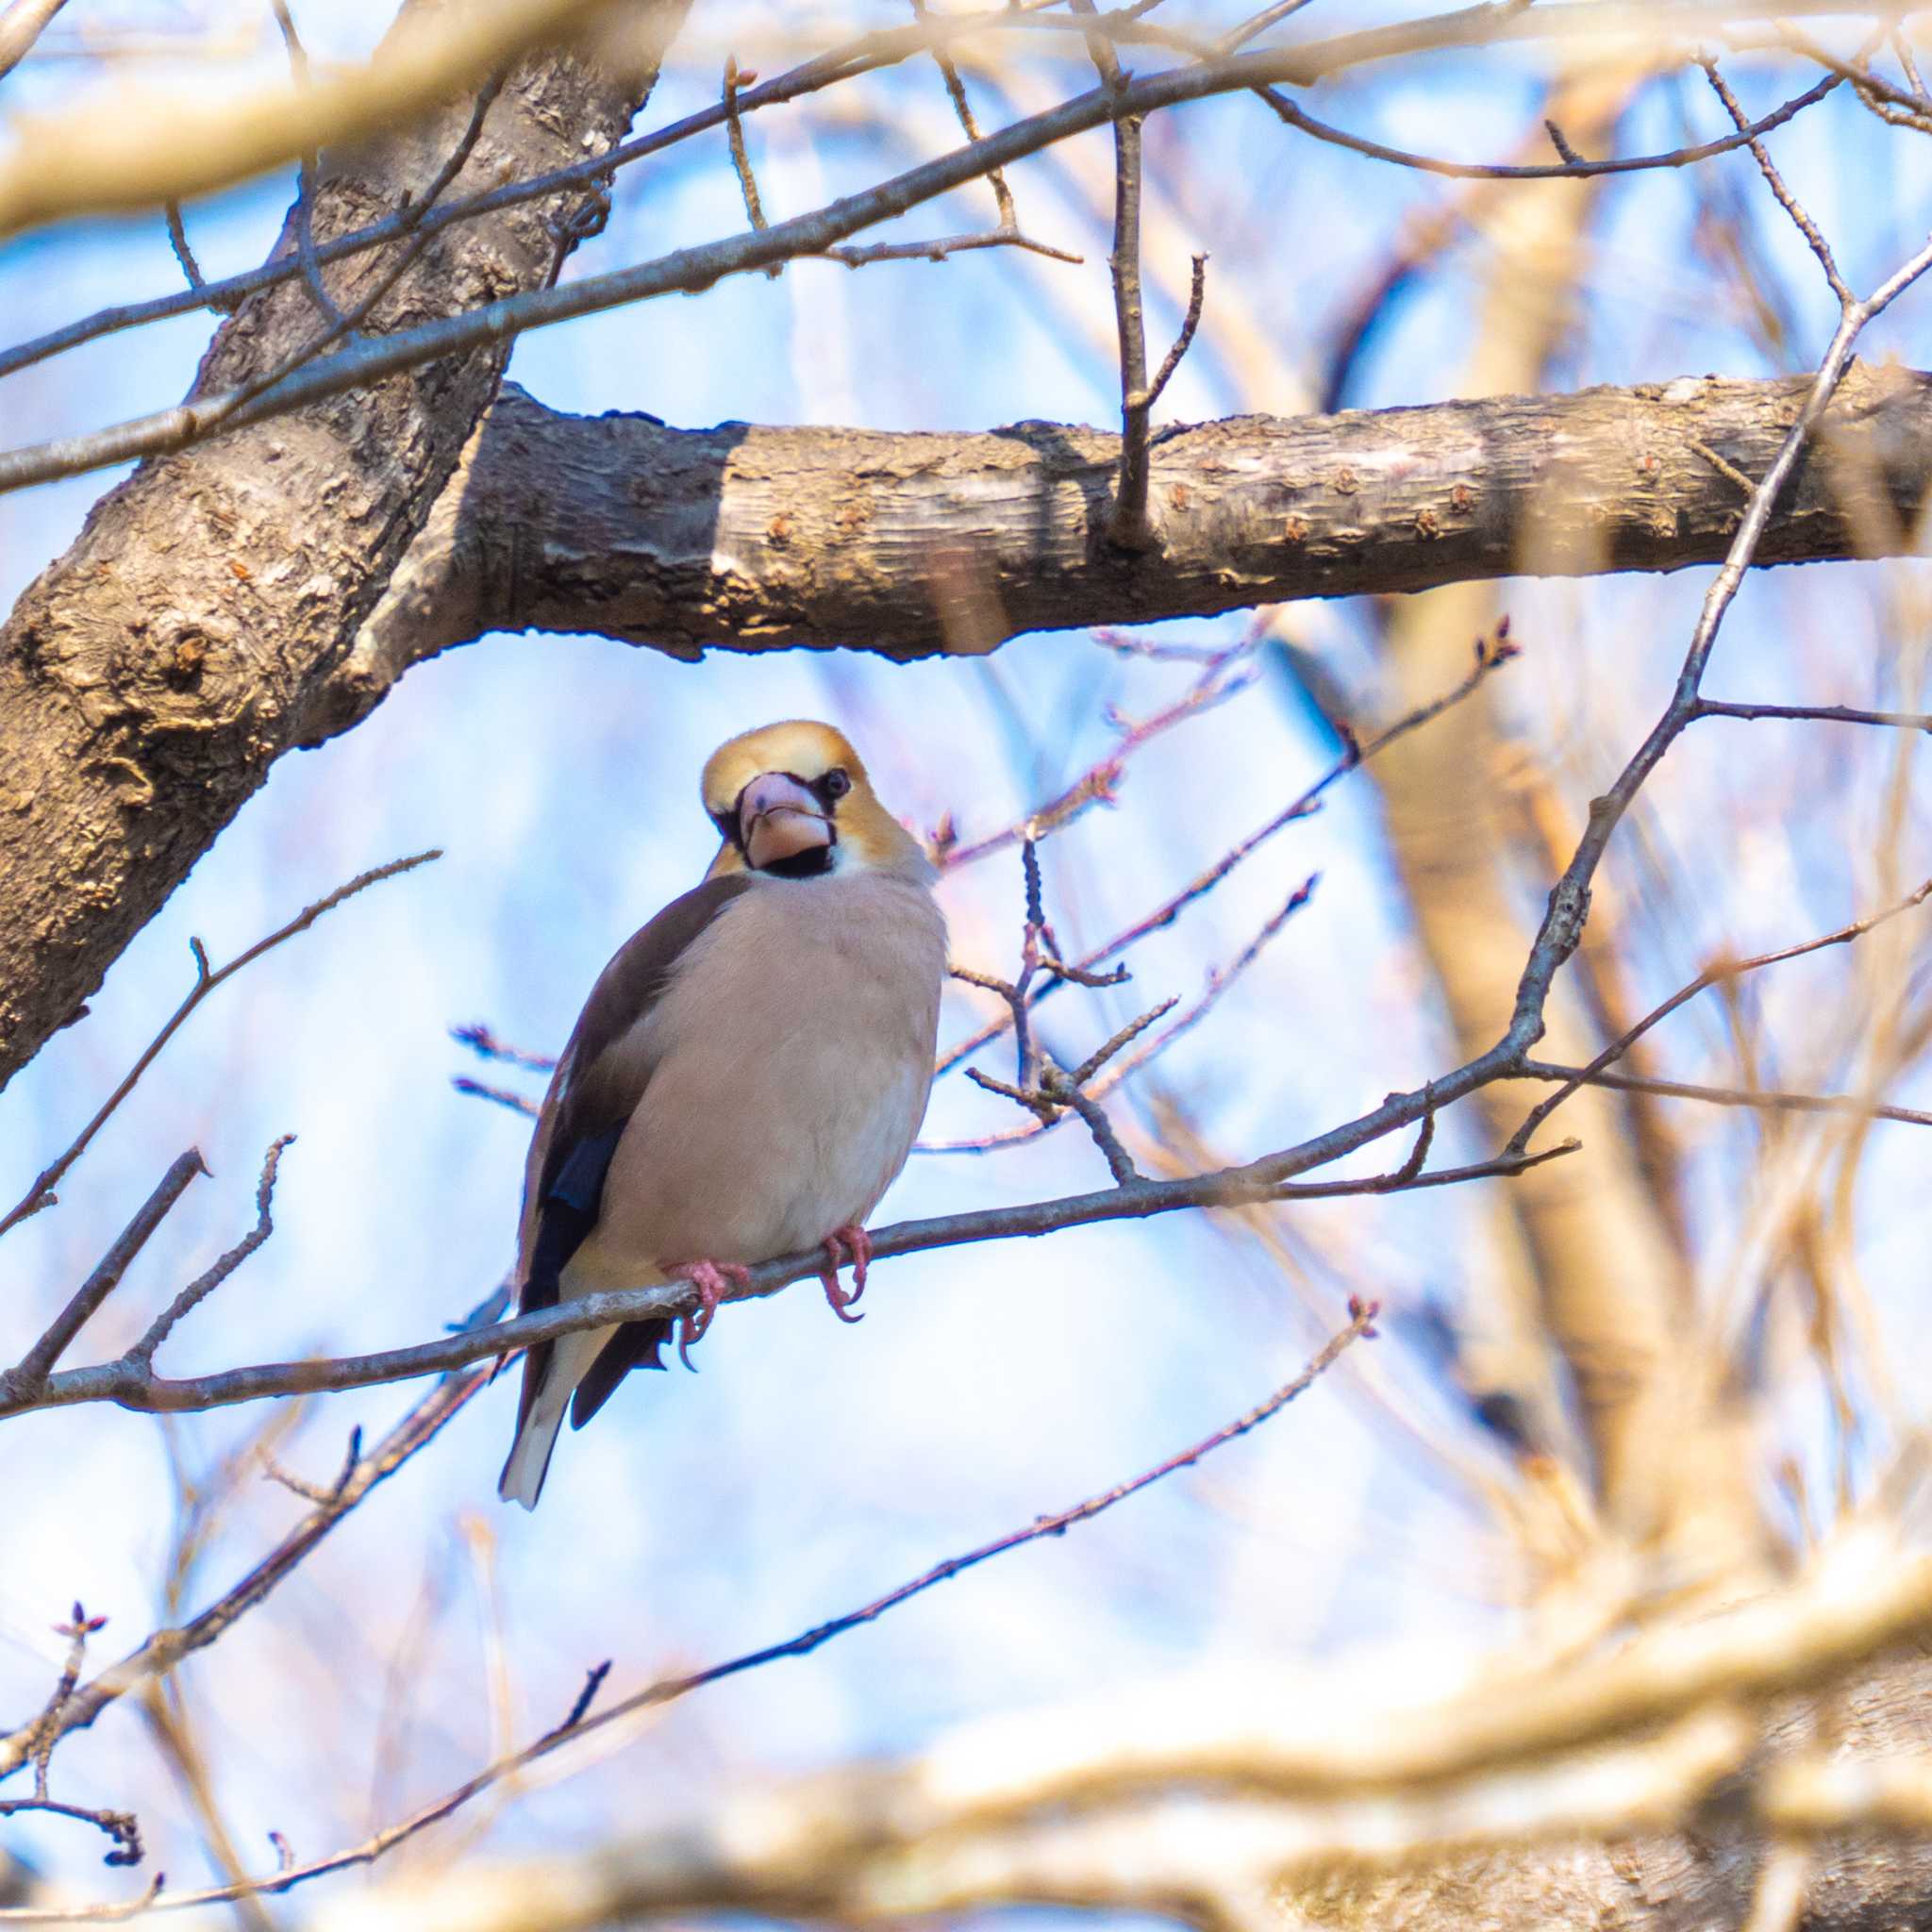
{"points": [[598, 1083]]}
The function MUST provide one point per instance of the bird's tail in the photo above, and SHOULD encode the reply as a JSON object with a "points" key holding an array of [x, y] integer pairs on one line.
{"points": [[529, 1457]]}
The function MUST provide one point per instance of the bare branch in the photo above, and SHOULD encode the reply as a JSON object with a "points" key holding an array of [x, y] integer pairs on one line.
{"points": [[863, 54], [1569, 902], [1571, 168], [1225, 1786], [165, 1648], [34, 1365], [206, 980], [1821, 714], [1801, 220], [577, 1724], [1261, 1181], [1043, 1101], [1768, 1099], [204, 1285], [1715, 975]]}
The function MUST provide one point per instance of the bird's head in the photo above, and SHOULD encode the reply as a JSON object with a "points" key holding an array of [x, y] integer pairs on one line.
{"points": [[794, 800]]}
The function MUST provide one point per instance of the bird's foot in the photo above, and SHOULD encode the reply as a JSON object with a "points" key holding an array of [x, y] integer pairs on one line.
{"points": [[848, 1243], [711, 1279]]}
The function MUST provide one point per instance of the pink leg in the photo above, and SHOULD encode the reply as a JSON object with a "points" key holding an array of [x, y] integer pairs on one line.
{"points": [[711, 1279], [850, 1242]]}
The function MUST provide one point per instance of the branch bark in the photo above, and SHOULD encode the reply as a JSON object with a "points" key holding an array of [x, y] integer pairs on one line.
{"points": [[756, 539], [152, 675]]}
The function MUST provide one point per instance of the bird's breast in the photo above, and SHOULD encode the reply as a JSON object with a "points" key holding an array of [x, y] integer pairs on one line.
{"points": [[791, 1055]]}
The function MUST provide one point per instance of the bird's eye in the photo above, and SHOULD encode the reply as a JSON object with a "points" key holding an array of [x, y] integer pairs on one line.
{"points": [[836, 783]]}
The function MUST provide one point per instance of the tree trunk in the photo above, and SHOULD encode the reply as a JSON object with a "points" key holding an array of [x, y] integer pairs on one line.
{"points": [[150, 678]]}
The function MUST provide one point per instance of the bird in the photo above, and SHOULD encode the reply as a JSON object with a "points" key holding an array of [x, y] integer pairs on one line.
{"points": [[746, 1077]]}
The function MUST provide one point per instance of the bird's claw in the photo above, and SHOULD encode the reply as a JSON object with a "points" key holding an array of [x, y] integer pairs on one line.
{"points": [[711, 1279], [848, 1243]]}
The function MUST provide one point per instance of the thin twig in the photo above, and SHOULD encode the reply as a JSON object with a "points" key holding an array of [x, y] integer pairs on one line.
{"points": [[204, 1285], [319, 1492], [962, 108], [1801, 220], [1120, 1163], [304, 185], [184, 252], [1252, 29], [1711, 975], [1226, 675], [1903, 49], [77, 1630], [594, 1682], [1120, 1041], [1769, 1099], [1561, 141], [741, 157], [1821, 714], [942, 246], [503, 1096], [1219, 981], [206, 980], [483, 1041], [34, 1366], [122, 1826], [1197, 292]]}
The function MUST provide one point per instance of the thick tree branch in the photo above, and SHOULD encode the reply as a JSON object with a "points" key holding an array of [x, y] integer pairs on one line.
{"points": [[760, 539]]}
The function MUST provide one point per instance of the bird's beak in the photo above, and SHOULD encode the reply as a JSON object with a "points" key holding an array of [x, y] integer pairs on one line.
{"points": [[778, 819]]}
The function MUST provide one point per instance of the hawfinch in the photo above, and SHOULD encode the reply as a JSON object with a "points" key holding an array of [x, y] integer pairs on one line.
{"points": [[746, 1077]]}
